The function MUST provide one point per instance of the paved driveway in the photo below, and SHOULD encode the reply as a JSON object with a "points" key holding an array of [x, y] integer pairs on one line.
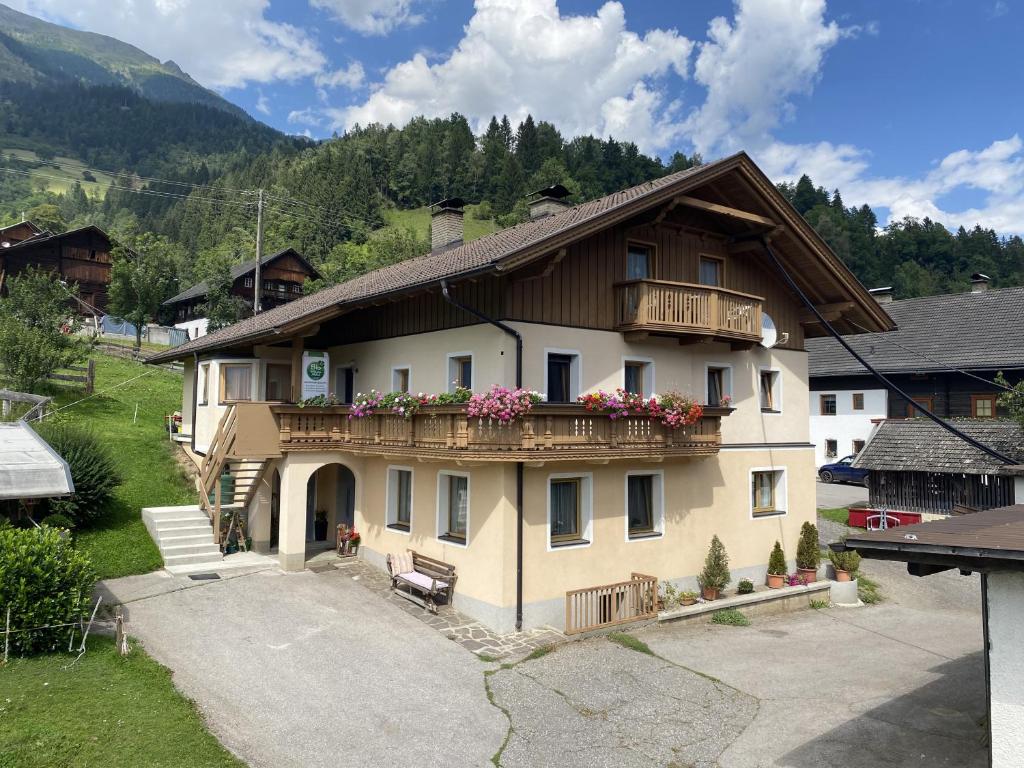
{"points": [[832, 495], [313, 669]]}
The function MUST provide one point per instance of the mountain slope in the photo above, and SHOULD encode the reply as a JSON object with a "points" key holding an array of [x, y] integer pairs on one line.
{"points": [[36, 52]]}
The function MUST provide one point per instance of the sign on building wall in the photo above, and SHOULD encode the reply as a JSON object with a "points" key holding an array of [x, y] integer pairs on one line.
{"points": [[315, 380]]}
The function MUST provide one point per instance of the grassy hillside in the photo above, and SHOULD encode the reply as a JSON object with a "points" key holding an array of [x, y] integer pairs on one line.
{"points": [[54, 168], [120, 545], [418, 219]]}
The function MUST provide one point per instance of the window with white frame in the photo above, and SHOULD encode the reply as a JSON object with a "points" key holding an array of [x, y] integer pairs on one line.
{"points": [[399, 498], [718, 389], [562, 376], [453, 507], [569, 509], [645, 504], [638, 376], [767, 492], [460, 371], [400, 376], [247, 282], [203, 385], [769, 390], [831, 448]]}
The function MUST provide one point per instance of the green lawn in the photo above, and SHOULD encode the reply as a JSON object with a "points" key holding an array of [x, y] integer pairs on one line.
{"points": [[64, 172], [838, 515], [119, 544], [105, 710], [419, 220]]}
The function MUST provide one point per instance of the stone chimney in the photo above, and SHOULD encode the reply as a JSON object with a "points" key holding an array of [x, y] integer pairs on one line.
{"points": [[882, 295], [446, 226], [548, 201], [979, 282]]}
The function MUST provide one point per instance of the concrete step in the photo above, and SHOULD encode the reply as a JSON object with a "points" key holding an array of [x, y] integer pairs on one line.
{"points": [[171, 523], [198, 559], [201, 548], [165, 541], [196, 529]]}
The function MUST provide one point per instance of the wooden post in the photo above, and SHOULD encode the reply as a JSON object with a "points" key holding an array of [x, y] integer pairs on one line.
{"points": [[297, 349], [120, 638], [713, 317], [7, 635], [90, 376]]}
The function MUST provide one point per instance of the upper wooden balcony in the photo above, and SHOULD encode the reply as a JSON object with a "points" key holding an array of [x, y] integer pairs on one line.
{"points": [[548, 433], [690, 312]]}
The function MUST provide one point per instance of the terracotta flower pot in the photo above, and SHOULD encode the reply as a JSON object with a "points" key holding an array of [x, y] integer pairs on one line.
{"points": [[709, 593], [776, 580], [810, 575], [688, 601], [843, 575]]}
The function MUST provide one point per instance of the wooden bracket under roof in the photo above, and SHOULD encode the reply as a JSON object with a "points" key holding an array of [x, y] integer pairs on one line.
{"points": [[725, 210]]}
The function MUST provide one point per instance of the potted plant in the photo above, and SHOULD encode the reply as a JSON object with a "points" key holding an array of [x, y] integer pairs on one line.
{"points": [[320, 525], [687, 598], [776, 567], [668, 596], [715, 576], [745, 587], [845, 563], [808, 554], [353, 541]]}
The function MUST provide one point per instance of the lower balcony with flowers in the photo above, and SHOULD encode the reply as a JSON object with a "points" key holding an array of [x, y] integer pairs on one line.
{"points": [[504, 424]]}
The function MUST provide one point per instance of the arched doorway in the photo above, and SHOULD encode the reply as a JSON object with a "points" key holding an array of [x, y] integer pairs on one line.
{"points": [[330, 500]]}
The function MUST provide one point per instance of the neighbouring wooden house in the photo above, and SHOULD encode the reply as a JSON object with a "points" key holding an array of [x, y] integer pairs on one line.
{"points": [[917, 466], [282, 275], [668, 286], [945, 354], [80, 256]]}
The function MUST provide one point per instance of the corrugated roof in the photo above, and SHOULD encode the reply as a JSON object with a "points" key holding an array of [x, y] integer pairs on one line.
{"points": [[991, 534], [490, 253], [200, 288], [29, 467], [979, 331], [921, 445]]}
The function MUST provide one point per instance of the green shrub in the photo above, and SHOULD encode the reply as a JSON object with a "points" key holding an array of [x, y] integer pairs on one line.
{"points": [[730, 617], [745, 587], [716, 566], [777, 561], [93, 472], [58, 520], [45, 582], [807, 553], [848, 561]]}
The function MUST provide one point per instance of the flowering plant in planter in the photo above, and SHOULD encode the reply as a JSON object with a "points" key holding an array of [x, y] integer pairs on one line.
{"points": [[725, 401], [364, 404], [318, 401], [796, 580], [617, 404], [676, 410], [672, 409], [502, 404]]}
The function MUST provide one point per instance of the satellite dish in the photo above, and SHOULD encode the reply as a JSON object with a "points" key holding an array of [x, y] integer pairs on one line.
{"points": [[769, 336]]}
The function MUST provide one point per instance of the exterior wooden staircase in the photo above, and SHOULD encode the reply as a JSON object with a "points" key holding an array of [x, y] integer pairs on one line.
{"points": [[221, 462]]}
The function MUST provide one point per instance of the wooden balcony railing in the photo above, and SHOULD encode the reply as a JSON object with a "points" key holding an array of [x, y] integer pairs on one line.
{"points": [[659, 306], [548, 433]]}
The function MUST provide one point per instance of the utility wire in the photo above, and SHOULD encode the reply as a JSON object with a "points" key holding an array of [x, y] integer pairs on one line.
{"points": [[946, 366], [835, 334]]}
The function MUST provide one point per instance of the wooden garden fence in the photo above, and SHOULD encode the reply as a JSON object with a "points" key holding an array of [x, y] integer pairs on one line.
{"points": [[77, 374], [609, 605]]}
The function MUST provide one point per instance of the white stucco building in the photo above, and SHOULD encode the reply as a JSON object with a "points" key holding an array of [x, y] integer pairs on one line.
{"points": [[842, 421]]}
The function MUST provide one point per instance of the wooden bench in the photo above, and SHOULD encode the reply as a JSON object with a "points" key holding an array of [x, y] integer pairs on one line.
{"points": [[428, 580]]}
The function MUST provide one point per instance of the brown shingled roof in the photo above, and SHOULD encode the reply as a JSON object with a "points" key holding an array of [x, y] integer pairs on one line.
{"points": [[501, 250]]}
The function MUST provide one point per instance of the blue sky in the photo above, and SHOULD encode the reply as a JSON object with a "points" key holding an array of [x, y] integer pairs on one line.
{"points": [[909, 106]]}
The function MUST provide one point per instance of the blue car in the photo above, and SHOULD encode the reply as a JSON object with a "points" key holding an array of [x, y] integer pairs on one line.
{"points": [[841, 472]]}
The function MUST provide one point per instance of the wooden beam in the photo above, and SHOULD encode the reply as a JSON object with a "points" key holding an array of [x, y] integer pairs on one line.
{"points": [[831, 312], [297, 349], [725, 210], [635, 336]]}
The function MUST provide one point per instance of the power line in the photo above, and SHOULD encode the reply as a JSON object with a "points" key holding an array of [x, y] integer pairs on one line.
{"points": [[151, 192], [923, 356]]}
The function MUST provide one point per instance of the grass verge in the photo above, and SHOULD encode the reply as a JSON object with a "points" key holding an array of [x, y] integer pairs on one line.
{"points": [[868, 590], [104, 710], [633, 643], [730, 617], [119, 544]]}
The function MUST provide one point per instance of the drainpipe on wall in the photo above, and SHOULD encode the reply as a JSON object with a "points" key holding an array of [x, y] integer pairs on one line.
{"points": [[519, 465], [195, 393]]}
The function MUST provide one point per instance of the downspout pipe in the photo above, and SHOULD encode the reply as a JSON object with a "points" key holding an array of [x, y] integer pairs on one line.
{"points": [[519, 465]]}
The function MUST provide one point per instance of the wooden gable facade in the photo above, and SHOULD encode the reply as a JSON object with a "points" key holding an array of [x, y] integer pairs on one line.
{"points": [[81, 256]]}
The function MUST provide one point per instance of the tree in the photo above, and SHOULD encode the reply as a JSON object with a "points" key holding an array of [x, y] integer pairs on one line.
{"points": [[47, 216], [716, 566], [38, 330], [222, 308], [777, 561], [808, 548], [141, 279]]}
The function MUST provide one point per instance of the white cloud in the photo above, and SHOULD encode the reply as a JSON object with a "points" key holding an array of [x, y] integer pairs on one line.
{"points": [[753, 67], [351, 77], [371, 17], [305, 116], [586, 74], [263, 104], [223, 44]]}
